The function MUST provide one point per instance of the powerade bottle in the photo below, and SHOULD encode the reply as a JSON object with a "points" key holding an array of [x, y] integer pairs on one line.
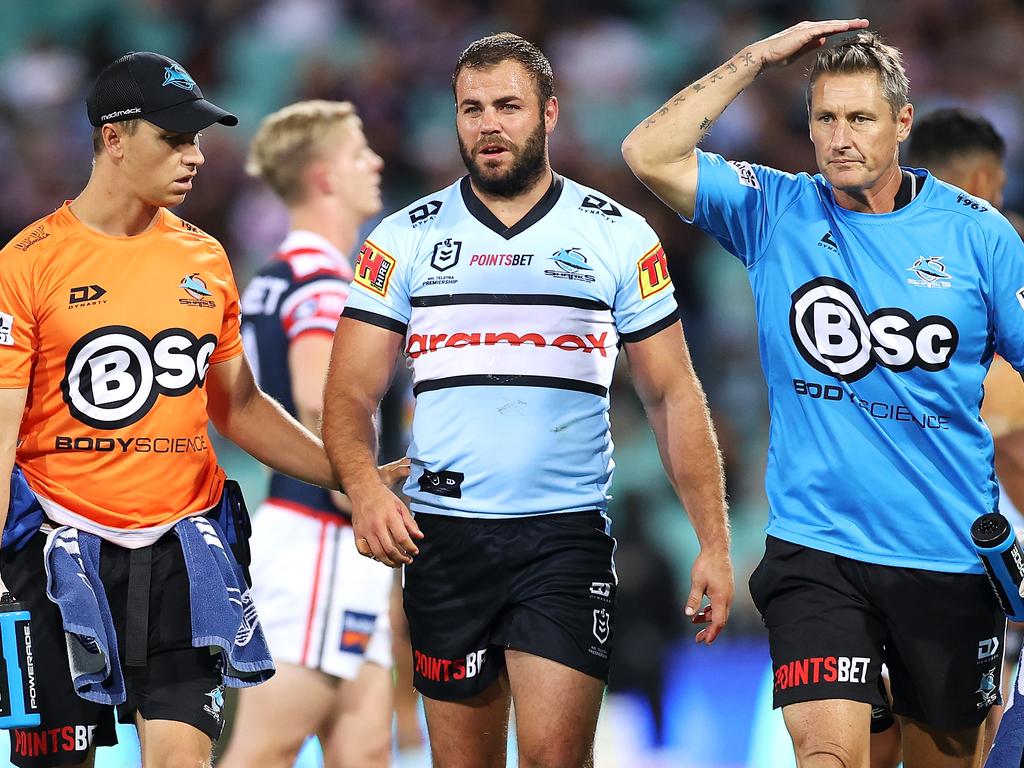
{"points": [[19, 707], [1003, 558]]}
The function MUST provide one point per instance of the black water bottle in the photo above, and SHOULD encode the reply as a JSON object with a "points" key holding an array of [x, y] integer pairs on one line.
{"points": [[19, 706], [1003, 558]]}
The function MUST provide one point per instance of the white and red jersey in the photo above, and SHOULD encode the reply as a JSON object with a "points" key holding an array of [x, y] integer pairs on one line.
{"points": [[302, 290]]}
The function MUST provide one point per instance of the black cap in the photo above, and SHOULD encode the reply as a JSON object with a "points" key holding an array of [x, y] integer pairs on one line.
{"points": [[155, 88]]}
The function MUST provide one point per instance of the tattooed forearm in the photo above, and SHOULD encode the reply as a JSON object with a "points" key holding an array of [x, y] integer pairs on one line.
{"points": [[731, 67], [705, 126], [748, 59], [697, 87], [716, 76]]}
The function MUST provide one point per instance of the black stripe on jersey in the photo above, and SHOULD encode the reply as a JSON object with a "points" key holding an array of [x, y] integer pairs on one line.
{"points": [[510, 380], [531, 299], [381, 321], [483, 214], [650, 330]]}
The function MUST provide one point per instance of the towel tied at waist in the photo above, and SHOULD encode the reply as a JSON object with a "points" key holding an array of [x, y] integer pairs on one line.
{"points": [[224, 617]]}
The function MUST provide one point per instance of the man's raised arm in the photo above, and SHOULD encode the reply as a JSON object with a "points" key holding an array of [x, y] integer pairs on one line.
{"points": [[660, 150]]}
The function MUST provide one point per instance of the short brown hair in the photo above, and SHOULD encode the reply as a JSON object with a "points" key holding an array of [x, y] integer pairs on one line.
{"points": [[288, 139], [130, 127], [493, 50], [864, 52]]}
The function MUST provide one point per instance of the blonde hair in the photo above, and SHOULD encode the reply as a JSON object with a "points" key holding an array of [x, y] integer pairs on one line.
{"points": [[864, 52], [290, 138]]}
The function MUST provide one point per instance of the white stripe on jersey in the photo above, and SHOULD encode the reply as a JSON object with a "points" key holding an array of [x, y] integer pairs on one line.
{"points": [[512, 339], [326, 285]]}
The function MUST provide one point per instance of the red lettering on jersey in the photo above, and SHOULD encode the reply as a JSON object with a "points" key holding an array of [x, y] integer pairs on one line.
{"points": [[652, 271]]}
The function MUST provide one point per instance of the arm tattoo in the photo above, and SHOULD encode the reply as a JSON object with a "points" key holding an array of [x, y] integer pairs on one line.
{"points": [[705, 126], [663, 111], [649, 122], [716, 76], [748, 59], [731, 67], [697, 87], [678, 99]]}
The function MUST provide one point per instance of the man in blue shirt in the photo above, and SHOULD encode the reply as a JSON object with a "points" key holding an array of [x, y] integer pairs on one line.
{"points": [[881, 294], [509, 294]]}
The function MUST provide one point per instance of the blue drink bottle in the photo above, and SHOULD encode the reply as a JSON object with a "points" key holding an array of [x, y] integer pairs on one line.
{"points": [[18, 703], [1003, 558]]}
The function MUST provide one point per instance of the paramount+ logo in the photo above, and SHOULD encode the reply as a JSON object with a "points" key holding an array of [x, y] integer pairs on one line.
{"points": [[837, 337]]}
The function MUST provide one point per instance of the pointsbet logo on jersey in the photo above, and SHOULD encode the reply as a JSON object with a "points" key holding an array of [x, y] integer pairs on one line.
{"points": [[113, 375], [195, 287], [836, 336]]}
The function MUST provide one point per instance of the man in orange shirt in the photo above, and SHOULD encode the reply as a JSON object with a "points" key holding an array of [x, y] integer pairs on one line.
{"points": [[119, 343]]}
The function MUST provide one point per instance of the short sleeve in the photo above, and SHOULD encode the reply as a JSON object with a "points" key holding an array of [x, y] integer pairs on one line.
{"points": [[737, 203], [229, 343], [1006, 278], [18, 342], [314, 307], [644, 299], [379, 293]]}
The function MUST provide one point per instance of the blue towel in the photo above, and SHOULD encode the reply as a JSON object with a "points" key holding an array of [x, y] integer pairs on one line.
{"points": [[223, 613], [24, 513], [1008, 748], [72, 561]]}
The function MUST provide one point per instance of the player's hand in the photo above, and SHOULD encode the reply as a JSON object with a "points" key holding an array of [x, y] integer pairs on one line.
{"points": [[384, 528], [790, 44], [395, 472], [712, 576], [391, 474]]}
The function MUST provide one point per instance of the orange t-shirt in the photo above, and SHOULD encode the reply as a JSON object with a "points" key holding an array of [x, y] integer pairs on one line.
{"points": [[113, 336]]}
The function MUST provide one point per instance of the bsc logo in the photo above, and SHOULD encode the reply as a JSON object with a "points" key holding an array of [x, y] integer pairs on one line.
{"points": [[836, 337], [113, 375]]}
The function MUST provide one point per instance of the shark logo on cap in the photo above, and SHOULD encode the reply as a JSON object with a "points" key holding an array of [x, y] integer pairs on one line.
{"points": [[179, 78]]}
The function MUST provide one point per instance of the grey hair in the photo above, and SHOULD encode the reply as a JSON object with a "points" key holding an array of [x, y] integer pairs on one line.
{"points": [[864, 52]]}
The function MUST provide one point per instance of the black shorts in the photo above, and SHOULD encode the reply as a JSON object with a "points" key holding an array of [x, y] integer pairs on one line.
{"points": [[833, 621], [544, 585], [178, 683]]}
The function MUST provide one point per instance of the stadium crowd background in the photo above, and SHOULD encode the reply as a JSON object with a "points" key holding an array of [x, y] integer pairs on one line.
{"points": [[614, 62]]}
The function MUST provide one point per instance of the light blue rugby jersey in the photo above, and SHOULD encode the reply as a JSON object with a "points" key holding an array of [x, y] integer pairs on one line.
{"points": [[875, 333], [512, 336]]}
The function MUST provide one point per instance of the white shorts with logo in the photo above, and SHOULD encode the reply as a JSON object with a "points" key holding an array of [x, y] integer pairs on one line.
{"points": [[322, 604]]}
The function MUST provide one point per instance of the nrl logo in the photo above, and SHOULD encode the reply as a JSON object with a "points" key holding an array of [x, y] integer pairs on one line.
{"points": [[446, 254], [602, 625]]}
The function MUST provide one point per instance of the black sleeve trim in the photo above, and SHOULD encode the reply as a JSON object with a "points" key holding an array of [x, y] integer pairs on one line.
{"points": [[381, 321], [650, 330]]}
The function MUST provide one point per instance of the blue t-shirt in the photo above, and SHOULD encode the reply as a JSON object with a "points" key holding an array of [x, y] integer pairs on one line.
{"points": [[511, 335], [875, 334]]}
